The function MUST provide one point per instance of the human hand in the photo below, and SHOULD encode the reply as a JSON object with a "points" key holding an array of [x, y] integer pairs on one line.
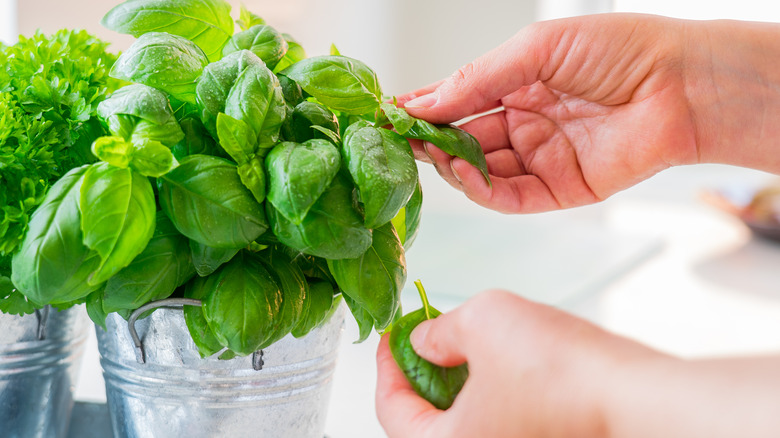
{"points": [[533, 371], [593, 105]]}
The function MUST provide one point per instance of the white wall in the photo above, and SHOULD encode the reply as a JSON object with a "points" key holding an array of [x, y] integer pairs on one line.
{"points": [[8, 21]]}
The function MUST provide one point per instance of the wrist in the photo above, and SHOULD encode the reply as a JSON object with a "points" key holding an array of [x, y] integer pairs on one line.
{"points": [[732, 81]]}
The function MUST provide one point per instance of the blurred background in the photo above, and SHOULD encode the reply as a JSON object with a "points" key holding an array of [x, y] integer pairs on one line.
{"points": [[655, 263]]}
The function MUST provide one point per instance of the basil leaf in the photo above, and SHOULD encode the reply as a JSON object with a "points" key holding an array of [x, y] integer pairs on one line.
{"points": [[152, 158], [307, 120], [332, 229], [115, 151], [407, 221], [363, 318], [139, 112], [242, 303], [117, 216], [202, 335], [438, 385], [206, 201], [320, 299], [207, 259], [295, 291], [248, 19], [164, 265], [382, 165], [196, 140], [375, 279], [167, 62], [236, 138], [295, 53], [341, 83], [453, 141], [52, 264], [401, 120], [241, 86], [298, 174], [252, 177], [94, 307], [205, 22], [262, 40]]}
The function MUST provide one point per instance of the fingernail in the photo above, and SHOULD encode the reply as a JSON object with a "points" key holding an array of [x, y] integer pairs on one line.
{"points": [[455, 172], [418, 334], [425, 101]]}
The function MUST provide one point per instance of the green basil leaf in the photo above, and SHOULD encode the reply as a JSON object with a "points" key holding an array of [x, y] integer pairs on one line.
{"points": [[248, 19], [332, 229], [113, 150], [207, 259], [382, 165], [375, 279], [152, 158], [341, 83], [407, 221], [401, 120], [252, 177], [295, 290], [196, 140], [262, 40], [52, 264], [94, 307], [320, 299], [307, 121], [298, 174], [363, 318], [167, 62], [202, 335], [236, 138], [295, 53], [205, 22], [241, 86], [139, 112], [117, 216], [242, 303], [438, 385], [154, 274], [206, 201], [292, 92], [453, 141]]}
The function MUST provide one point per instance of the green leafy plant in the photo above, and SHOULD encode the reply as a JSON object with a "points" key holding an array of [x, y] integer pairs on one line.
{"points": [[439, 385], [236, 171]]}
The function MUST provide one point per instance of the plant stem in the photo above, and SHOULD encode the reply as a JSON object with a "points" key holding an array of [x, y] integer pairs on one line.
{"points": [[424, 298]]}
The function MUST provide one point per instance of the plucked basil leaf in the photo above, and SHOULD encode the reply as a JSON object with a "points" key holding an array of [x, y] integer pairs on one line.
{"points": [[52, 264], [375, 279], [262, 40], [206, 201], [205, 22], [382, 165], [298, 174], [167, 62], [154, 274], [453, 141], [341, 83], [332, 229], [117, 216]]}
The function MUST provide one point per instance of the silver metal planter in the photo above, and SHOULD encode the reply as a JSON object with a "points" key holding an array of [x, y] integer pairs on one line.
{"points": [[175, 393], [39, 359]]}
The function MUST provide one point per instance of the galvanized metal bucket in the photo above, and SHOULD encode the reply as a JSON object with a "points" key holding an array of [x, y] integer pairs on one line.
{"points": [[176, 393], [39, 359]]}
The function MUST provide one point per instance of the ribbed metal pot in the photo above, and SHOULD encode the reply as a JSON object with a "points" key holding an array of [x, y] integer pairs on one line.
{"points": [[39, 359], [176, 393]]}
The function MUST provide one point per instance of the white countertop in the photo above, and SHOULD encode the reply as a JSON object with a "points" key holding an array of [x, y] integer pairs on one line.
{"points": [[653, 263]]}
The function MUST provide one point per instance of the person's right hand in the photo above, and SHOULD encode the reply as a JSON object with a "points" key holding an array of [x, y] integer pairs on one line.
{"points": [[593, 105]]}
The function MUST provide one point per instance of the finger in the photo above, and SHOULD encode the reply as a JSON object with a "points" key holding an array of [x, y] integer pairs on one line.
{"points": [[441, 340], [441, 161], [399, 409], [517, 194], [505, 163], [505, 69]]}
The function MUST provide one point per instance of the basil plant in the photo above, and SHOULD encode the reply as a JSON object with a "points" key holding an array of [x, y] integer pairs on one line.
{"points": [[239, 172]]}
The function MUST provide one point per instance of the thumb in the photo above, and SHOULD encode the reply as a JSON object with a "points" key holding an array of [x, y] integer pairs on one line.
{"points": [[479, 85], [441, 340]]}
